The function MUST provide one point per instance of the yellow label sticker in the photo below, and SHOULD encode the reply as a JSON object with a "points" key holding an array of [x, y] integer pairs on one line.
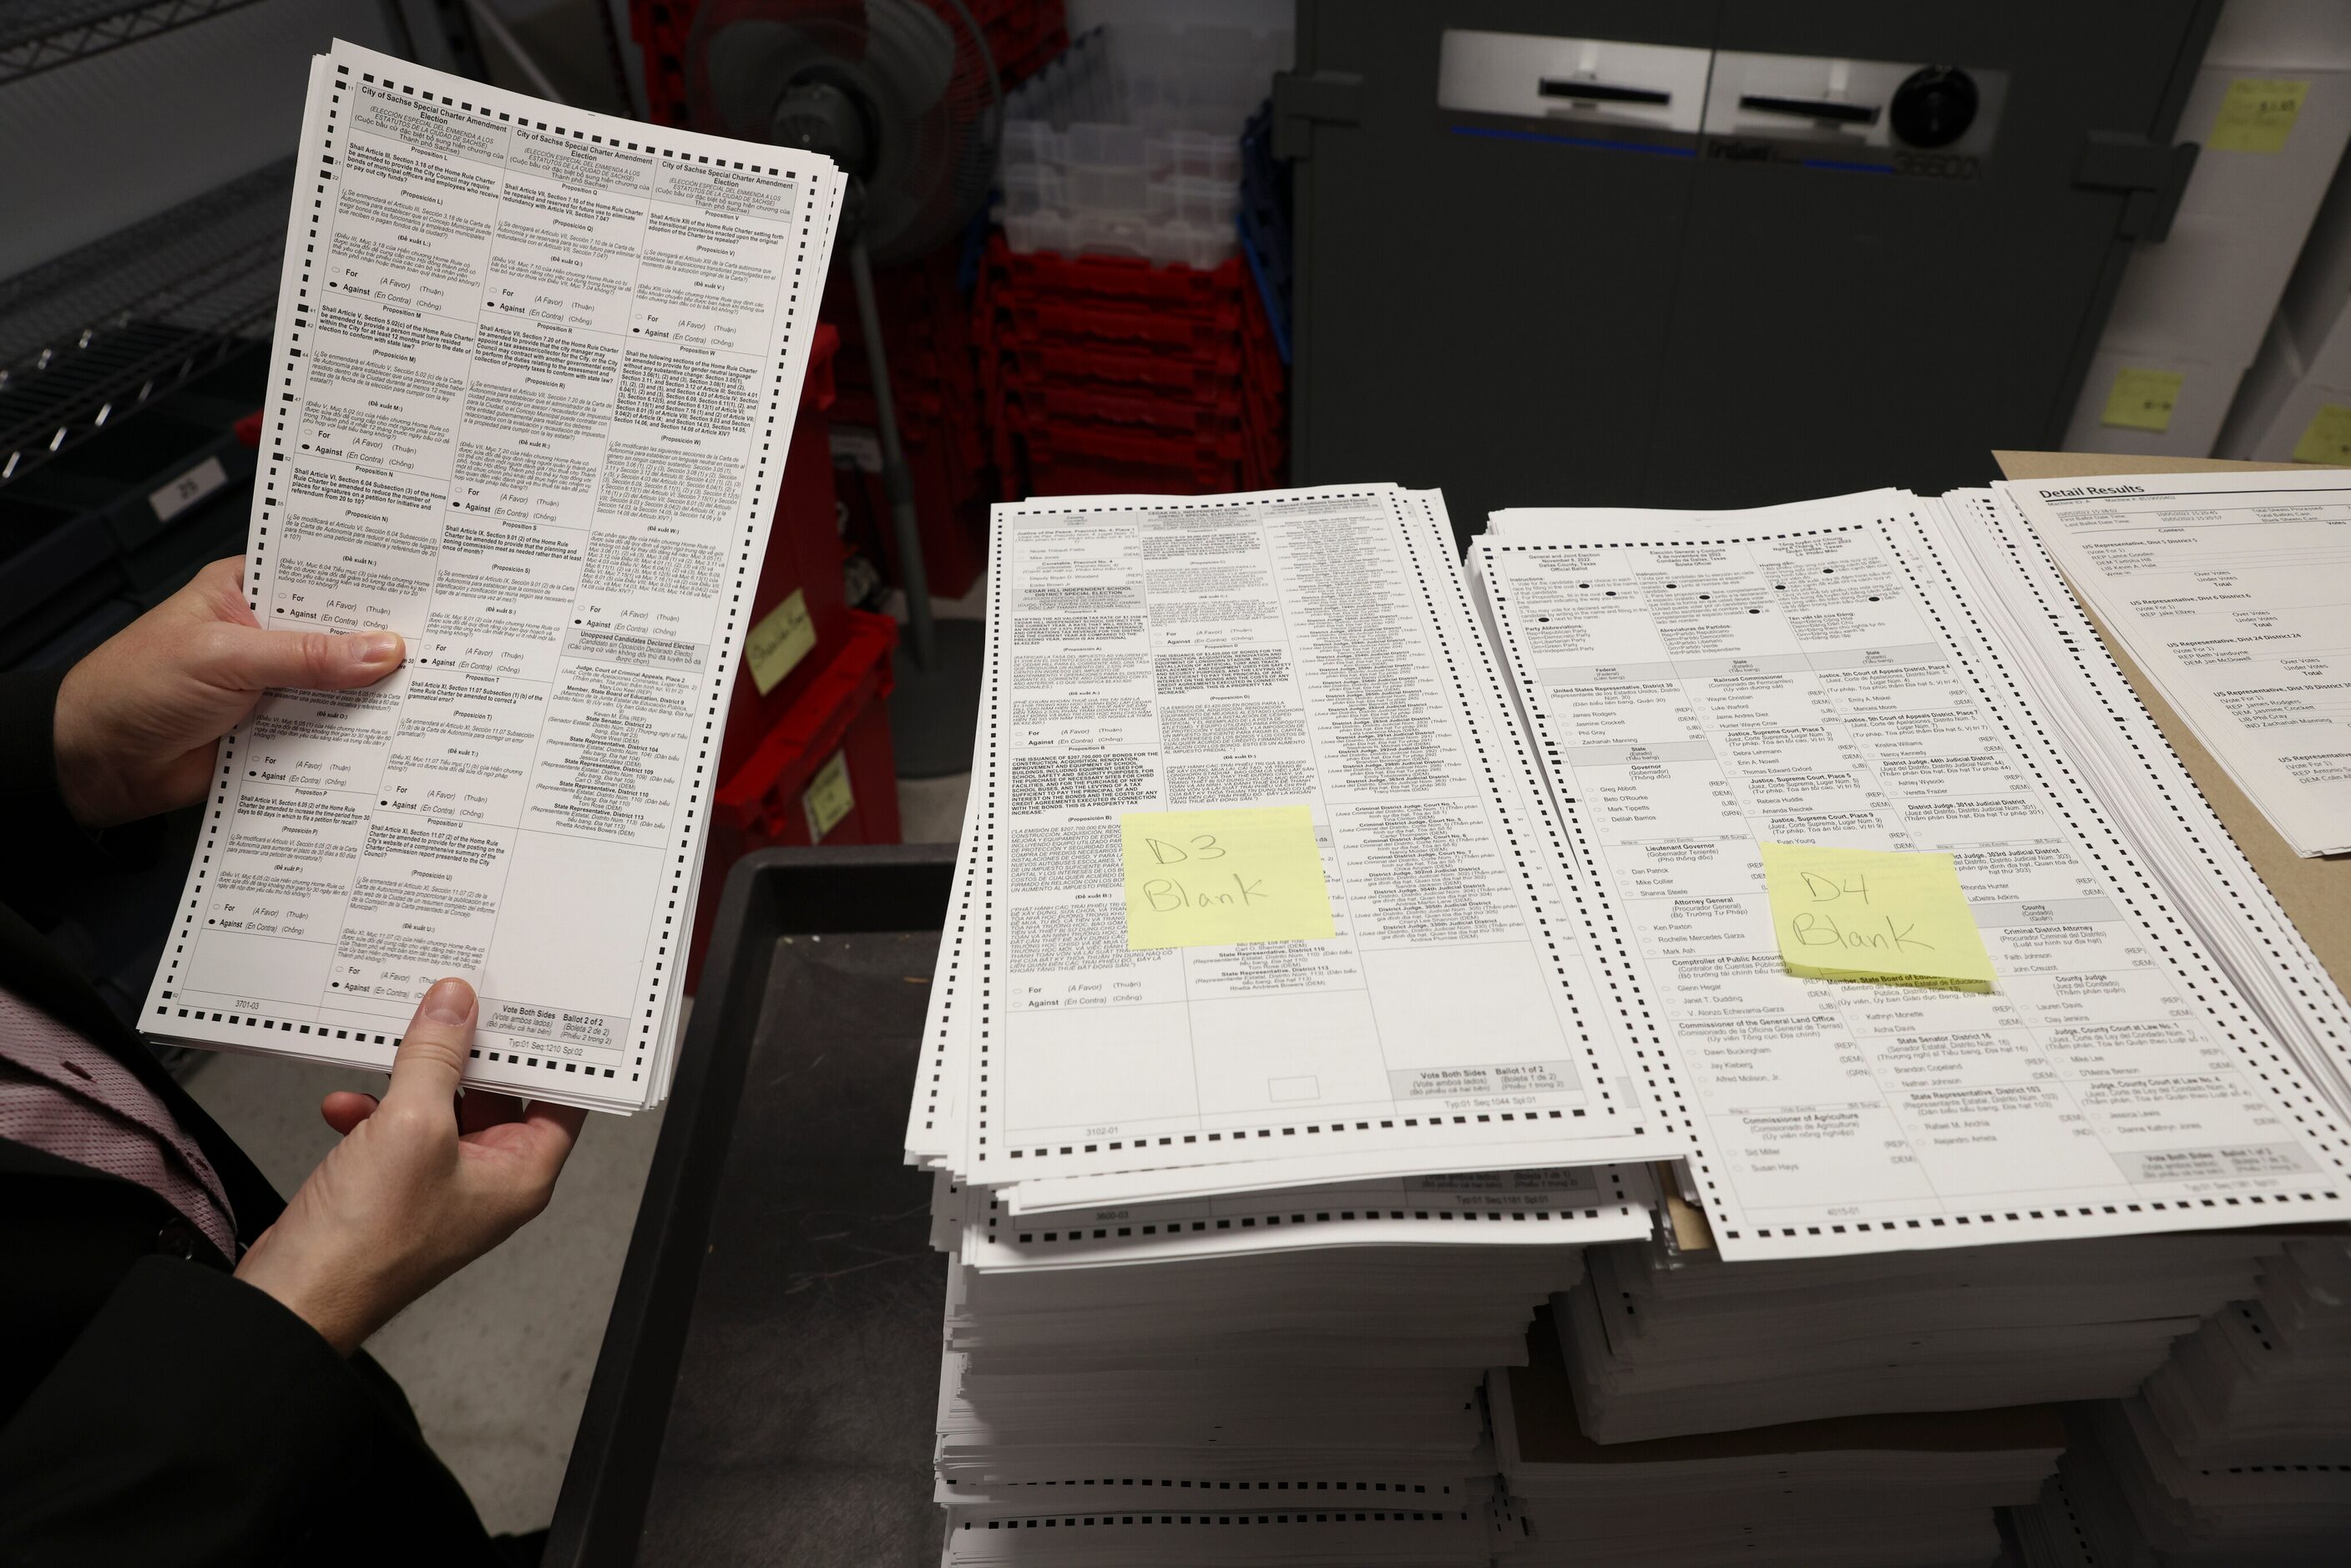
{"points": [[2328, 437], [2142, 400], [828, 797], [1874, 915], [1210, 879], [781, 639], [2256, 115]]}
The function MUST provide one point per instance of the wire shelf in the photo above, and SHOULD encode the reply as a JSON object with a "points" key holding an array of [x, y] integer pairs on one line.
{"points": [[94, 334], [37, 36]]}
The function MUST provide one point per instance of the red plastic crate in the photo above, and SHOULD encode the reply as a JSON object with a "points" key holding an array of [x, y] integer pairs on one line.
{"points": [[1125, 444], [804, 556], [1024, 321], [1106, 373], [1115, 278], [765, 800], [1108, 365], [1057, 405], [1088, 477]]}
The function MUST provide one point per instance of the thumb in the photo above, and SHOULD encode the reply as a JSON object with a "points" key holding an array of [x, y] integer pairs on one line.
{"points": [[247, 658], [431, 1061]]}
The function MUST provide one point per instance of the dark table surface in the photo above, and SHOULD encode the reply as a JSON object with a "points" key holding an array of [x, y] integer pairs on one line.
{"points": [[800, 1427]]}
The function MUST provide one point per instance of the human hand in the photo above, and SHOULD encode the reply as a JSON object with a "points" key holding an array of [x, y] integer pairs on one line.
{"points": [[422, 1184], [138, 717]]}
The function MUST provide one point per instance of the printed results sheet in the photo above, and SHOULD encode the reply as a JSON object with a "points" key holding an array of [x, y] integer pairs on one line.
{"points": [[537, 370], [1284, 648], [1699, 682], [2232, 592]]}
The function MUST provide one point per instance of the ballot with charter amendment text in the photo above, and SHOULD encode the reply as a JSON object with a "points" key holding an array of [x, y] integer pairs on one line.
{"points": [[534, 373]]}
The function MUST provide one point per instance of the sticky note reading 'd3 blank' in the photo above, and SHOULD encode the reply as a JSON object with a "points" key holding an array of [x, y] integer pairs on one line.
{"points": [[1872, 914], [1210, 879]]}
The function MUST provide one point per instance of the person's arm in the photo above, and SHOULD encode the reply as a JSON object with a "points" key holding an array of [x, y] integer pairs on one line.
{"points": [[197, 1420], [203, 1419]]}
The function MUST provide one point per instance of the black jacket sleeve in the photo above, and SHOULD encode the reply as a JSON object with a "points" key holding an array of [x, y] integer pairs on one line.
{"points": [[46, 845], [197, 1421]]}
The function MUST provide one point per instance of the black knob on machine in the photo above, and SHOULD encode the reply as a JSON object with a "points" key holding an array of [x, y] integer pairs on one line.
{"points": [[1934, 106]]}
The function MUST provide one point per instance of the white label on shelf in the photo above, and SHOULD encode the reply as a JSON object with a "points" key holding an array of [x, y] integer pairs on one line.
{"points": [[188, 490]]}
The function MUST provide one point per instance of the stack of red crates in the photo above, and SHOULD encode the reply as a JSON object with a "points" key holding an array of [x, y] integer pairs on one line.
{"points": [[1105, 373], [927, 331], [1022, 35]]}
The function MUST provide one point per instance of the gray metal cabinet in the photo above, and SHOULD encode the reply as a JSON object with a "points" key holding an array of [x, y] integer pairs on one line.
{"points": [[1704, 254]]}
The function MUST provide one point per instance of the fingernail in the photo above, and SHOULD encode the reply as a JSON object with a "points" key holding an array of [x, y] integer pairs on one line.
{"points": [[371, 648], [449, 1001]]}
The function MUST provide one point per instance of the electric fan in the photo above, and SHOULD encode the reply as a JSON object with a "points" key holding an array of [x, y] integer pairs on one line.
{"points": [[905, 98]]}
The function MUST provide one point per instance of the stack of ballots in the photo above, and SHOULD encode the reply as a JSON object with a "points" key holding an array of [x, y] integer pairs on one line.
{"points": [[2237, 1450], [1338, 931], [1261, 1130], [1871, 1491], [1660, 1346]]}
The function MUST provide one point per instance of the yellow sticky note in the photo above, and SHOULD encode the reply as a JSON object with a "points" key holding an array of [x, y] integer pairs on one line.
{"points": [[2328, 437], [828, 797], [781, 639], [1210, 879], [1874, 915], [2142, 400], [2256, 114]]}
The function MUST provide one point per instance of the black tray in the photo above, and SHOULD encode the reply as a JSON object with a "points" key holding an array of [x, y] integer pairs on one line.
{"points": [[766, 1387]]}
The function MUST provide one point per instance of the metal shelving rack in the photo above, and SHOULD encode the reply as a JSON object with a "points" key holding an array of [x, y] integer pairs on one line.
{"points": [[37, 36], [101, 330]]}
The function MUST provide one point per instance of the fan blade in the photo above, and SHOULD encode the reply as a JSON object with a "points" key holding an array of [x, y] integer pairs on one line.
{"points": [[747, 63], [923, 57]]}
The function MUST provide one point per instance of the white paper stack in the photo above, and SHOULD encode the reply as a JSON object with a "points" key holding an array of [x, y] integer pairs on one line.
{"points": [[1238, 1190], [2238, 1450], [1239, 1227], [2003, 549], [538, 367], [2226, 590], [1657, 1347], [1288, 1376], [2158, 1051], [1870, 1491], [2267, 1380], [1311, 650]]}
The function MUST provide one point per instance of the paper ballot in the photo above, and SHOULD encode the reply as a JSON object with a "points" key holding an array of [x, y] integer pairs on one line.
{"points": [[1828, 672], [1603, 833], [1865, 915], [2229, 590], [539, 367]]}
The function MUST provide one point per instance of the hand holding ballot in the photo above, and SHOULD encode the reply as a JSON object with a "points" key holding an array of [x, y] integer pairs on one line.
{"points": [[137, 719], [424, 1181]]}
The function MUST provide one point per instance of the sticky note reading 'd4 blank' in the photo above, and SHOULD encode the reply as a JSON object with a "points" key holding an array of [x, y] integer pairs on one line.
{"points": [[1210, 879], [1874, 915]]}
